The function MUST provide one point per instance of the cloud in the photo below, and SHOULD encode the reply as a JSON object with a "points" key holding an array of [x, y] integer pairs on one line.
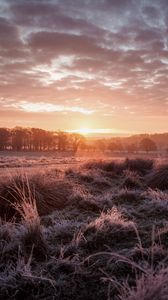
{"points": [[110, 54], [50, 107]]}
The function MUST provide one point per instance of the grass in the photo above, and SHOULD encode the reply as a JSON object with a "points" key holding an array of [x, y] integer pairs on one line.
{"points": [[150, 287], [131, 180], [98, 231], [159, 178], [48, 194]]}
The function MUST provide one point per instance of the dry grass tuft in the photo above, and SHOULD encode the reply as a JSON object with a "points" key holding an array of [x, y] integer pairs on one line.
{"points": [[131, 180], [139, 165], [32, 237], [159, 178], [110, 229], [149, 287], [48, 195], [114, 167]]}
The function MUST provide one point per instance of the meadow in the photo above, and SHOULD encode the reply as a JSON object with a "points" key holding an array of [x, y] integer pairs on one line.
{"points": [[76, 228]]}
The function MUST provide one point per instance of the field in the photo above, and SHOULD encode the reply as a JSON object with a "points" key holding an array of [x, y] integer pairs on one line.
{"points": [[77, 228]]}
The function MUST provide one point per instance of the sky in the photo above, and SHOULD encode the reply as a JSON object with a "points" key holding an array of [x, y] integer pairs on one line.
{"points": [[75, 64]]}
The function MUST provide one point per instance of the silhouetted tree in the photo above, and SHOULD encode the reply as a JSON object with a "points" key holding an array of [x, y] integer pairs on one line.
{"points": [[18, 138], [62, 141], [4, 138], [100, 145], [77, 140], [48, 140], [115, 146], [132, 148], [147, 145]]}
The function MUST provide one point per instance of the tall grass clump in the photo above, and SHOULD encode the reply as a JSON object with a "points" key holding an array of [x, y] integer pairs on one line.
{"points": [[127, 196], [131, 180], [49, 194], [139, 165], [148, 287], [115, 167], [111, 229], [159, 178], [25, 206]]}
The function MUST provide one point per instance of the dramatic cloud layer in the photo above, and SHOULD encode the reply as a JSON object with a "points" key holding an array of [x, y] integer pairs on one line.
{"points": [[84, 63]]}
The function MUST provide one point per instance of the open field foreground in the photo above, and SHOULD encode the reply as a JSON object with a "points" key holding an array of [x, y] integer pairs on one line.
{"points": [[94, 230]]}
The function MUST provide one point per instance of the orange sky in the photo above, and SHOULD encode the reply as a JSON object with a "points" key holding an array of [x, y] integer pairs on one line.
{"points": [[100, 64]]}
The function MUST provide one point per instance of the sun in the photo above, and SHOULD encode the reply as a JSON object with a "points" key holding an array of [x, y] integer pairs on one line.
{"points": [[87, 131], [84, 131]]}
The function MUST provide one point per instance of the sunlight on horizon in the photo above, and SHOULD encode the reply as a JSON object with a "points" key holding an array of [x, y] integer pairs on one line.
{"points": [[89, 131]]}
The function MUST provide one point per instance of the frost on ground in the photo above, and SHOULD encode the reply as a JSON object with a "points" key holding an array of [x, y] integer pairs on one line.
{"points": [[96, 231]]}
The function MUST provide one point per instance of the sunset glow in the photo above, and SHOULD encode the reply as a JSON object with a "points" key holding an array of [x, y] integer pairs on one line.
{"points": [[99, 131], [49, 107], [84, 149], [93, 65], [84, 131]]}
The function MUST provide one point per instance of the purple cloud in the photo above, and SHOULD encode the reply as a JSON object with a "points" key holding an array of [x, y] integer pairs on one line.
{"points": [[110, 55]]}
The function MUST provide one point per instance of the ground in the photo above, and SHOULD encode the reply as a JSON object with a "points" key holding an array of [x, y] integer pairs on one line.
{"points": [[83, 229]]}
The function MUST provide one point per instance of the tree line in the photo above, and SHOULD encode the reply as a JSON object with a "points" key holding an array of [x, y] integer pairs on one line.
{"points": [[36, 139]]}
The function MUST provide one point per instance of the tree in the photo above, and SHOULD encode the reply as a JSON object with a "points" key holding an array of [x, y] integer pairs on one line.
{"points": [[131, 148], [115, 146], [100, 144], [41, 139], [18, 138], [4, 138], [147, 145], [62, 141], [77, 140]]}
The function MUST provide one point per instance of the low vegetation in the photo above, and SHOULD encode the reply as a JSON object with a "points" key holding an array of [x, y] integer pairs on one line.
{"points": [[96, 231]]}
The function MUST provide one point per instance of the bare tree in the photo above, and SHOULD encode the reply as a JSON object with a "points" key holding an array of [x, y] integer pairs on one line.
{"points": [[77, 140], [4, 138], [62, 141], [147, 145]]}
